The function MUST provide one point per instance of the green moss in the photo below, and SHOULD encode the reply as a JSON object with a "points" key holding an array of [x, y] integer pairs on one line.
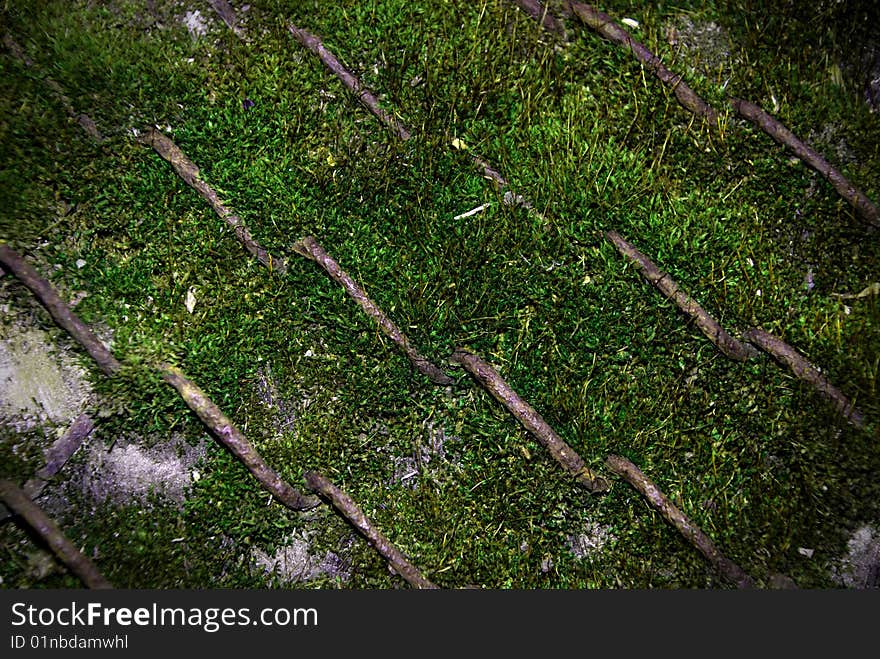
{"points": [[753, 456]]}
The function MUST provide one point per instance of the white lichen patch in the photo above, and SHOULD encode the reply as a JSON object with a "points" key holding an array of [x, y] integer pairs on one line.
{"points": [[591, 539], [706, 43], [295, 561], [860, 568], [195, 24], [40, 384], [832, 140], [427, 460], [131, 473], [283, 411]]}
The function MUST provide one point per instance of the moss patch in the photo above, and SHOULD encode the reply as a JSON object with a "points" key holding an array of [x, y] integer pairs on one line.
{"points": [[755, 457]]}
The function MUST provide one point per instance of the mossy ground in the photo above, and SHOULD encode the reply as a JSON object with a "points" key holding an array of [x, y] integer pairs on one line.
{"points": [[756, 458]]}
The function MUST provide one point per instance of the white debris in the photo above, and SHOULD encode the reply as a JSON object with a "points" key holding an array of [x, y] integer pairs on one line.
{"points": [[196, 24], [591, 539], [190, 302], [473, 211]]}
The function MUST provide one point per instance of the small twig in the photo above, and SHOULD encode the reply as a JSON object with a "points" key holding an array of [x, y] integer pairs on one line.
{"points": [[56, 457], [605, 25], [805, 371], [187, 170], [490, 173], [542, 15], [64, 549], [59, 310], [349, 509], [309, 248], [784, 136], [692, 533], [16, 51], [363, 94], [665, 284], [231, 437], [61, 450], [85, 121], [227, 13], [531, 420], [371, 103]]}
